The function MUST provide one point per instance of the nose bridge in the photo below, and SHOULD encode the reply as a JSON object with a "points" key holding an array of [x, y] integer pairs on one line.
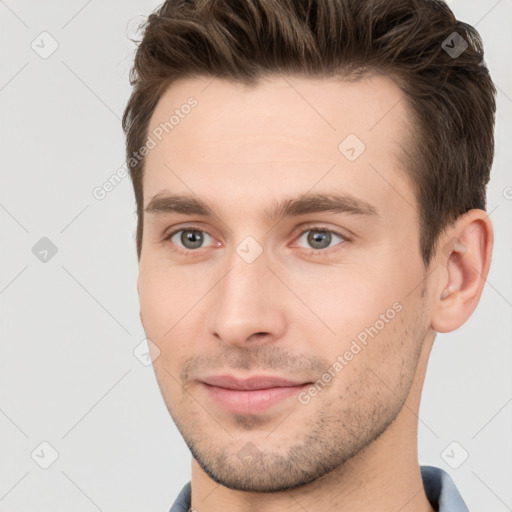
{"points": [[245, 302]]}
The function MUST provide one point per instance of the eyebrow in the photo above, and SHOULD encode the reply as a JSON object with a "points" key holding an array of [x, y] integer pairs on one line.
{"points": [[308, 203]]}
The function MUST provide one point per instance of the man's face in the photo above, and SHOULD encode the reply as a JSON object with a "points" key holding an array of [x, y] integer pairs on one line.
{"points": [[331, 301]]}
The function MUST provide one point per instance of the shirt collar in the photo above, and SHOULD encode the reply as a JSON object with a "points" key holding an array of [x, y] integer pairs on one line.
{"points": [[441, 491]]}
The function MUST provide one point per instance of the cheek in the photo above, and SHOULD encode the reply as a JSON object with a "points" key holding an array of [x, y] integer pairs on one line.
{"points": [[379, 375], [170, 302], [167, 296], [155, 305], [369, 326], [343, 301]]}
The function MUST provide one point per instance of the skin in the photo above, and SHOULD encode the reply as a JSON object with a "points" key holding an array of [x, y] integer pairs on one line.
{"points": [[289, 313]]}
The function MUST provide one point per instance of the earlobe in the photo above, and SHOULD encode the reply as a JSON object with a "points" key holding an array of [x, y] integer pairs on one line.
{"points": [[465, 256]]}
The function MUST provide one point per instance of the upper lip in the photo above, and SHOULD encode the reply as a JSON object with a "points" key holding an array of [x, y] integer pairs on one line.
{"points": [[254, 382]]}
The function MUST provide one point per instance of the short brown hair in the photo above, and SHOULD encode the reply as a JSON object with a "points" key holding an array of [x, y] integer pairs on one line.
{"points": [[452, 97]]}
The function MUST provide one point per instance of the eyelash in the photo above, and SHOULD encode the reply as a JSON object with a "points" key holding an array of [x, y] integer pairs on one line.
{"points": [[310, 252]]}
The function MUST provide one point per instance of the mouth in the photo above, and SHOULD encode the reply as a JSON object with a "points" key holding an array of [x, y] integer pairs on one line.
{"points": [[250, 396]]}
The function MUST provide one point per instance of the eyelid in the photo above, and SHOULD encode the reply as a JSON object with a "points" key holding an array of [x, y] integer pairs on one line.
{"points": [[188, 227], [319, 226]]}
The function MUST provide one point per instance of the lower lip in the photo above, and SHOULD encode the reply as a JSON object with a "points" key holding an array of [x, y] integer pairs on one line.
{"points": [[253, 401]]}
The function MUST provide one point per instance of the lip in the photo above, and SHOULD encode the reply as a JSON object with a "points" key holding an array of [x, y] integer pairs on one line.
{"points": [[252, 395], [251, 383]]}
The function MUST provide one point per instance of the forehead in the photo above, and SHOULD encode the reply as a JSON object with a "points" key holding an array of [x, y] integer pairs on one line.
{"points": [[286, 133]]}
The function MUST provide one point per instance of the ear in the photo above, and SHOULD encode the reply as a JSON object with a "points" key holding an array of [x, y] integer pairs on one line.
{"points": [[465, 257]]}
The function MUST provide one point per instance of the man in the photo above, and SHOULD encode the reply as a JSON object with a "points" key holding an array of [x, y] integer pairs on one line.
{"points": [[310, 183]]}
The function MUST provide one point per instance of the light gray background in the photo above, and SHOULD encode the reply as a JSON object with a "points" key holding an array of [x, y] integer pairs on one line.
{"points": [[69, 326]]}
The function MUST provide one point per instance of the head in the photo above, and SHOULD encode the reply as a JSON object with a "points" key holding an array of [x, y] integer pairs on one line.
{"points": [[310, 180]]}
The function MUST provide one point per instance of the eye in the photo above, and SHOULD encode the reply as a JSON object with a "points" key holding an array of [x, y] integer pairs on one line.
{"points": [[190, 238], [320, 238]]}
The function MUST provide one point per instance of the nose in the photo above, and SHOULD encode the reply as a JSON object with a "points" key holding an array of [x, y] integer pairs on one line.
{"points": [[247, 304]]}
